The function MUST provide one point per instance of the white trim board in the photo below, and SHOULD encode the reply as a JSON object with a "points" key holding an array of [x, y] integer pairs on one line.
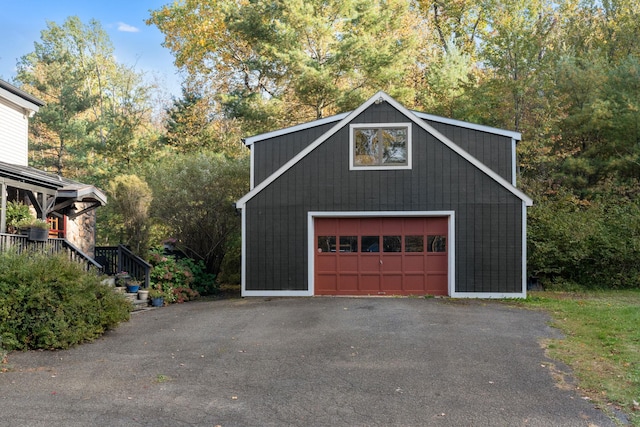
{"points": [[302, 126], [333, 119], [377, 98]]}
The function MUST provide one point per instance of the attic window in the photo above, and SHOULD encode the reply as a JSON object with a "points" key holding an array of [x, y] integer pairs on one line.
{"points": [[380, 146]]}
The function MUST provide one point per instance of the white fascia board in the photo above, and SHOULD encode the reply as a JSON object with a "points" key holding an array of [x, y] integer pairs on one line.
{"points": [[380, 97], [332, 119], [514, 163], [482, 128], [25, 104], [261, 137], [251, 169]]}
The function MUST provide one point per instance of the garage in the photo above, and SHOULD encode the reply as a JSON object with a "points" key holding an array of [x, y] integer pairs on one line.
{"points": [[383, 200], [381, 256]]}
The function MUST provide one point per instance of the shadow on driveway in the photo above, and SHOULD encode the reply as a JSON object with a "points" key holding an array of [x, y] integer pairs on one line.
{"points": [[302, 362]]}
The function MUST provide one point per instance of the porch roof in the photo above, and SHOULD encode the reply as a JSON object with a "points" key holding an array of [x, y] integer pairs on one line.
{"points": [[65, 188]]}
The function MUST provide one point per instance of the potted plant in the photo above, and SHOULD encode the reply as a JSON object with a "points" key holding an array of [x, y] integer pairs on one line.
{"points": [[157, 297], [122, 278], [36, 229], [143, 294], [133, 286], [17, 213]]}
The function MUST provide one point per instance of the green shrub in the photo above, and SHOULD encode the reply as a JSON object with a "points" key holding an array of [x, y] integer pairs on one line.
{"points": [[594, 244], [230, 271], [49, 302], [174, 278], [204, 283]]}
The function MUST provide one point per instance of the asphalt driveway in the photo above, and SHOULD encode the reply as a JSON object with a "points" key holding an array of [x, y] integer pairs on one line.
{"points": [[303, 362]]}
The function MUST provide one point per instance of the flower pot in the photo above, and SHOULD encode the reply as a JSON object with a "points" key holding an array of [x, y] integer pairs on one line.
{"points": [[132, 289], [36, 234], [157, 302], [143, 294]]}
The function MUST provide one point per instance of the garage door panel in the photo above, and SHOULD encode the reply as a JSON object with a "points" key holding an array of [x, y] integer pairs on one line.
{"points": [[391, 283], [328, 226], [369, 282], [436, 263], [369, 263], [391, 263], [437, 284], [414, 226], [392, 226], [413, 263], [369, 226], [390, 255], [348, 263], [327, 283], [349, 282], [414, 282], [326, 263]]}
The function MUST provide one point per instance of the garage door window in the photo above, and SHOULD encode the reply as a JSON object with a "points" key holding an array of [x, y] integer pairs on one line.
{"points": [[436, 244], [370, 243], [326, 243], [414, 244], [391, 243], [348, 243]]}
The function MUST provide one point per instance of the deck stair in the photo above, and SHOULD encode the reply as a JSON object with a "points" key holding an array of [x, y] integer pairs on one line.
{"points": [[136, 302]]}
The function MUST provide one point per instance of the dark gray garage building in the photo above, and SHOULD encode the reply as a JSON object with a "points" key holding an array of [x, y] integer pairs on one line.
{"points": [[384, 201]]}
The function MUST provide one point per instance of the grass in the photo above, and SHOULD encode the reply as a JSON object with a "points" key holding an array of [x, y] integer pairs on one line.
{"points": [[602, 344]]}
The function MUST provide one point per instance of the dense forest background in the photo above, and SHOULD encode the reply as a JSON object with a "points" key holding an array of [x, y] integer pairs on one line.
{"points": [[566, 74]]}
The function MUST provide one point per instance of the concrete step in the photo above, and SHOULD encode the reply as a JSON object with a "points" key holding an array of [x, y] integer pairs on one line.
{"points": [[138, 304]]}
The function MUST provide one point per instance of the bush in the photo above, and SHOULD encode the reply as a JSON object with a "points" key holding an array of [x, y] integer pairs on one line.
{"points": [[594, 244], [49, 302], [174, 278], [193, 197]]}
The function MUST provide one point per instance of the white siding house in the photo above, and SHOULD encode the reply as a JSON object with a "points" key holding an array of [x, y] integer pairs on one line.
{"points": [[14, 125], [68, 205]]}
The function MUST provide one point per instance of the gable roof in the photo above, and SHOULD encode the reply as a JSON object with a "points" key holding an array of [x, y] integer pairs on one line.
{"points": [[65, 188], [345, 120], [430, 117]]}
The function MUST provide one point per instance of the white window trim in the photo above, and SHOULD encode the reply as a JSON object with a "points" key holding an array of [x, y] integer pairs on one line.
{"points": [[352, 159]]}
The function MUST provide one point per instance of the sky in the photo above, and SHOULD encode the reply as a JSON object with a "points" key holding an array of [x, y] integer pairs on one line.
{"points": [[136, 44]]}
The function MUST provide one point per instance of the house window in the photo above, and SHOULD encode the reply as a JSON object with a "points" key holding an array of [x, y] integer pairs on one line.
{"points": [[383, 146]]}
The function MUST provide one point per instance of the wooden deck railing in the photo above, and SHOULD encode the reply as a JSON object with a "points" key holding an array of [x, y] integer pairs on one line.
{"points": [[51, 246], [119, 258]]}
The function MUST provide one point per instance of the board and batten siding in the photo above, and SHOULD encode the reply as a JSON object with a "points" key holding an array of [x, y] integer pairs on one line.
{"points": [[270, 154], [488, 223], [495, 151], [14, 136]]}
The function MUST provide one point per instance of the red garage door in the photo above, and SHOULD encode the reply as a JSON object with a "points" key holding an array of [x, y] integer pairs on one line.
{"points": [[381, 256]]}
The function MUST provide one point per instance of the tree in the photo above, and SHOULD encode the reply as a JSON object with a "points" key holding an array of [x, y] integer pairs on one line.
{"points": [[277, 63], [193, 198], [130, 201], [191, 127], [96, 113]]}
